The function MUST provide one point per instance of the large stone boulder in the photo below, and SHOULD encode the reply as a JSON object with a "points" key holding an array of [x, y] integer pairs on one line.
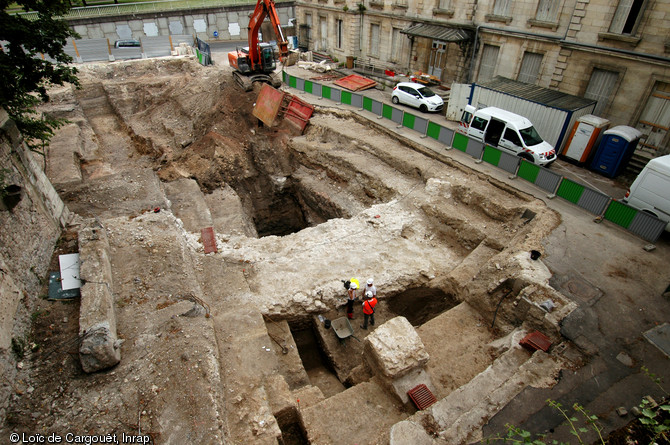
{"points": [[100, 346], [395, 349]]}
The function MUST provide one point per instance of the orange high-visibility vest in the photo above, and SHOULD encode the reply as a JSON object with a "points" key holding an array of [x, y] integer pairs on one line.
{"points": [[369, 306]]}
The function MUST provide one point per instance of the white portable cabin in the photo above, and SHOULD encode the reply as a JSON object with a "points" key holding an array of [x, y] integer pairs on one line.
{"points": [[553, 113]]}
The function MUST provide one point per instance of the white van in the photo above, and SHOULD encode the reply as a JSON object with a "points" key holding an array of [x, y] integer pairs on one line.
{"points": [[509, 132], [650, 192]]}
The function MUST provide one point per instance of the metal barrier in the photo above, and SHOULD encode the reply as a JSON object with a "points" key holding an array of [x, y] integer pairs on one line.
{"points": [[499, 158], [95, 50], [203, 52], [639, 223]]}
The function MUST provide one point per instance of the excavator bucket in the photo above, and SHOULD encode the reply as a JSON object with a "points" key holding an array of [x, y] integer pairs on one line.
{"points": [[272, 104]]}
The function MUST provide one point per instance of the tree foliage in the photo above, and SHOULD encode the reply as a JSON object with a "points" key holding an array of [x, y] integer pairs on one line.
{"points": [[31, 60]]}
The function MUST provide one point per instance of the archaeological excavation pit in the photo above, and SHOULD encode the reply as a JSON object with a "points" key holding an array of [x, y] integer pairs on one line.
{"points": [[291, 216]]}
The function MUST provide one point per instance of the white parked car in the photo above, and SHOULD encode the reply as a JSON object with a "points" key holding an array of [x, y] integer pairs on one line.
{"points": [[417, 96]]}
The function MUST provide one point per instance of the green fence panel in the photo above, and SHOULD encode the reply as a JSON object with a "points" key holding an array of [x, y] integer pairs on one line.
{"points": [[620, 214], [309, 86], [387, 112], [292, 81], [408, 120], [460, 142], [528, 171], [326, 92], [346, 97], [285, 76], [570, 190], [491, 155], [367, 103], [433, 130]]}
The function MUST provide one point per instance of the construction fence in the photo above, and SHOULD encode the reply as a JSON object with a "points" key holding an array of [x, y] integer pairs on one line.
{"points": [[642, 224], [95, 50]]}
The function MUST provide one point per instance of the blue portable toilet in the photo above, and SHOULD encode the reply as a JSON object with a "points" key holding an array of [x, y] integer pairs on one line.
{"points": [[615, 150]]}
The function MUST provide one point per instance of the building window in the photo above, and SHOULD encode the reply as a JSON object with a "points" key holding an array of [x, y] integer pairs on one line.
{"points": [[530, 68], [502, 7], [601, 88], [374, 40], [547, 11], [339, 33], [626, 17], [396, 44], [323, 33], [444, 4], [487, 66]]}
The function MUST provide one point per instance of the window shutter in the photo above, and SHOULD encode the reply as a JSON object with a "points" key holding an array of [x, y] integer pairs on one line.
{"points": [[600, 88]]}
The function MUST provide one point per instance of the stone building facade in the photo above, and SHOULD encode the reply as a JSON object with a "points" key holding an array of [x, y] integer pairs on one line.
{"points": [[616, 52]]}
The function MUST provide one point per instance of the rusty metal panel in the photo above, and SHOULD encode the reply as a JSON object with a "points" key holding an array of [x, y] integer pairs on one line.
{"points": [[298, 113], [355, 82], [268, 104], [593, 201], [647, 226]]}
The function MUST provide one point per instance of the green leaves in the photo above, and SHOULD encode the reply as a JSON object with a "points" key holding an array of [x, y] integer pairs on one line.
{"points": [[31, 61]]}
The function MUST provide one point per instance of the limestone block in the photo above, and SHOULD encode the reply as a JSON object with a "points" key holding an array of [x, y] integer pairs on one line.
{"points": [[408, 431], [10, 295], [394, 349], [100, 347]]}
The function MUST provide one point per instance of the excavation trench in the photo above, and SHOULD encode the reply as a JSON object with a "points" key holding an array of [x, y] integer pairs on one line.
{"points": [[334, 364]]}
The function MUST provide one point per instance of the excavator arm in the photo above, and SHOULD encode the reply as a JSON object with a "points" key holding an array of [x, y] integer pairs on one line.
{"points": [[265, 8]]}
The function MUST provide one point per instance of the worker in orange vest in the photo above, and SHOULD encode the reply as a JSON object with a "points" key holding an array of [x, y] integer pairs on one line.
{"points": [[369, 309]]}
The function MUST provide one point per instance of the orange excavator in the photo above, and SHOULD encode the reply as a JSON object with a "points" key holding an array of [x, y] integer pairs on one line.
{"points": [[257, 62]]}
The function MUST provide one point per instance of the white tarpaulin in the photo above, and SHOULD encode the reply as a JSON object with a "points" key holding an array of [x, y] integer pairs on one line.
{"points": [[69, 271]]}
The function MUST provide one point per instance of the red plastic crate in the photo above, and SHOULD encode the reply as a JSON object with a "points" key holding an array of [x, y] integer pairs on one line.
{"points": [[421, 396], [536, 341]]}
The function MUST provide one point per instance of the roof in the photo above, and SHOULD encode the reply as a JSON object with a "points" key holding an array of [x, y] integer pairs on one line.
{"points": [[660, 164], [595, 121], [517, 120], [437, 32], [624, 131], [534, 93]]}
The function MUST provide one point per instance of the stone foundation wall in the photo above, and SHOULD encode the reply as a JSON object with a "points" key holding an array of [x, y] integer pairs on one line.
{"points": [[31, 225]]}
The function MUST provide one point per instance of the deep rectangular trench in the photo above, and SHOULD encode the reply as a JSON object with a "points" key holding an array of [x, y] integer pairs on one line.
{"points": [[279, 207], [316, 362]]}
